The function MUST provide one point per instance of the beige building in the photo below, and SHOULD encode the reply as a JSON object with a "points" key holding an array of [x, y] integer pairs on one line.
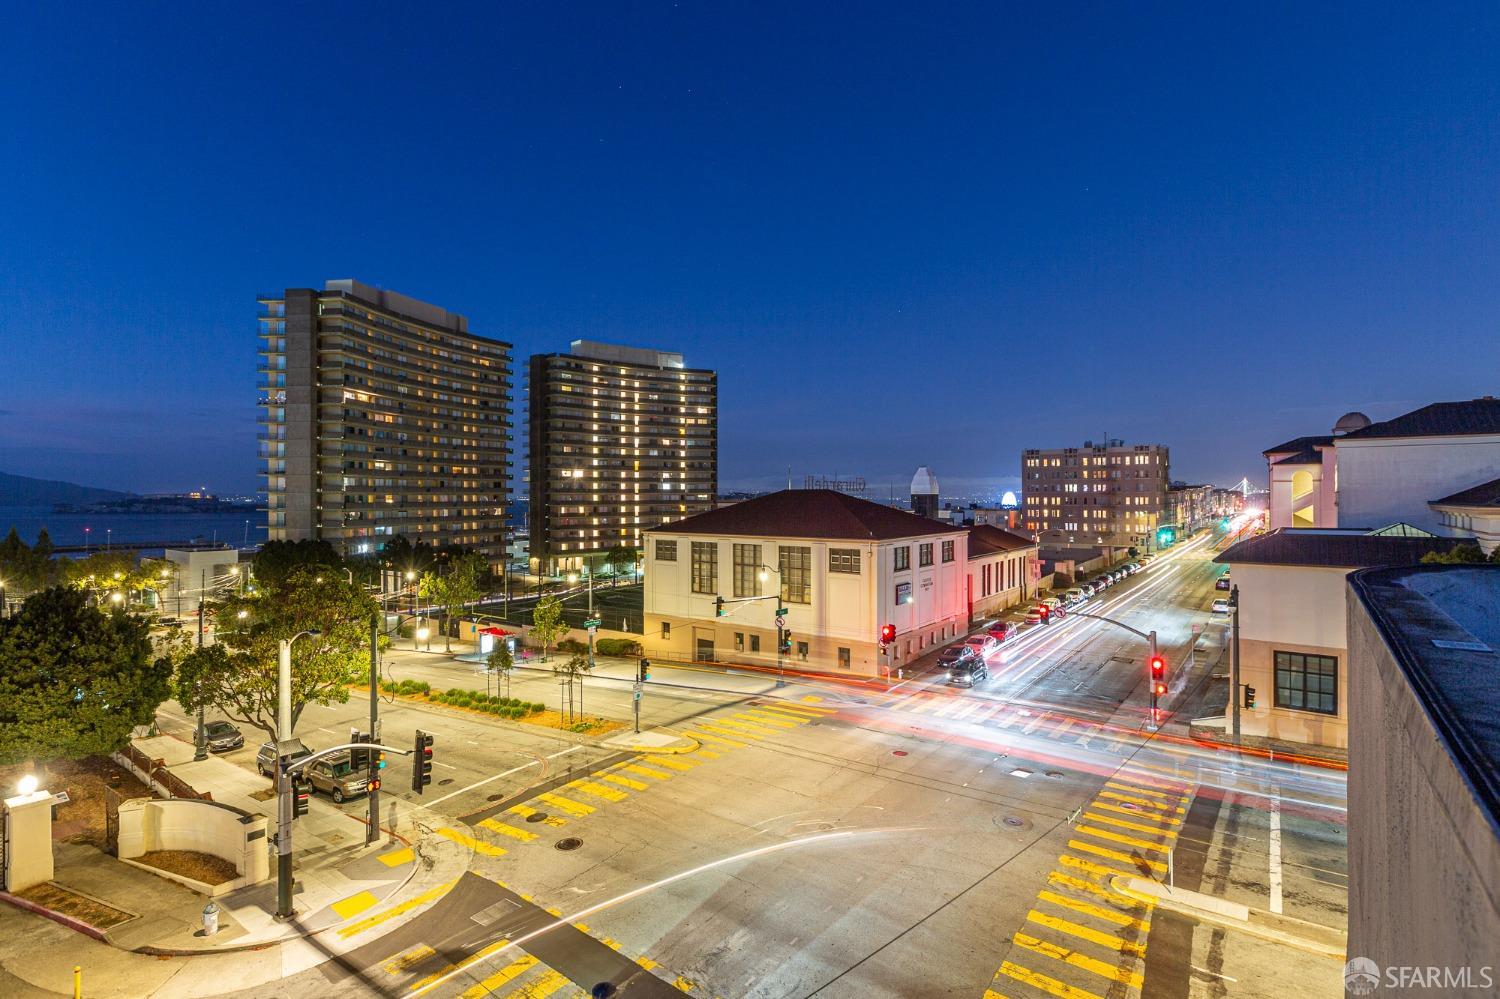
{"points": [[1293, 629], [841, 567], [621, 439], [381, 416], [1472, 513], [1110, 495], [1002, 570]]}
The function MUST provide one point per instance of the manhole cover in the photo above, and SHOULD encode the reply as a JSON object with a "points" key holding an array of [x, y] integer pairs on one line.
{"points": [[537, 817], [1013, 822], [571, 843], [445, 782], [1055, 774], [898, 752], [494, 797]]}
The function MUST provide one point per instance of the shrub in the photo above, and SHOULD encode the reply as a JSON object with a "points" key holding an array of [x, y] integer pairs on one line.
{"points": [[538, 708], [617, 647], [571, 645], [517, 713], [493, 709]]}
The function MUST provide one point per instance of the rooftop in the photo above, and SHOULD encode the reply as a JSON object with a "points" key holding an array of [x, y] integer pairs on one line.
{"points": [[1297, 445], [809, 513], [1334, 548], [1484, 494], [987, 540], [1442, 626], [1440, 419]]}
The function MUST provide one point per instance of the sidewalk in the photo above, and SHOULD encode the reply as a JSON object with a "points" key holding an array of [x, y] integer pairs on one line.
{"points": [[344, 891]]}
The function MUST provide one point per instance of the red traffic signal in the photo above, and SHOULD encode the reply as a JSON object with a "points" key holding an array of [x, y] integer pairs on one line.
{"points": [[887, 633], [1158, 667], [1045, 611]]}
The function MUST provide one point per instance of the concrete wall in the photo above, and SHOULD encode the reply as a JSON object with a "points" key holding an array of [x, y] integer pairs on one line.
{"points": [[1424, 862], [28, 840], [222, 831], [1381, 482]]}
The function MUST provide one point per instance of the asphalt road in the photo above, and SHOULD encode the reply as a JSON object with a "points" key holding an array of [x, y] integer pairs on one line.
{"points": [[829, 839]]}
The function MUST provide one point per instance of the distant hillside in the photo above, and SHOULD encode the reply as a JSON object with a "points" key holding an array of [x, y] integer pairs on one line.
{"points": [[19, 490]]}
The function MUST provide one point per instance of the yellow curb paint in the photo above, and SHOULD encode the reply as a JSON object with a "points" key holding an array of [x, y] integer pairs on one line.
{"points": [[479, 846], [507, 830], [353, 905], [397, 857], [398, 910]]}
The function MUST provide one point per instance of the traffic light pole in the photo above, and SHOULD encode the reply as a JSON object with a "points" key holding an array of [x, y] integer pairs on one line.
{"points": [[1234, 666], [373, 832]]}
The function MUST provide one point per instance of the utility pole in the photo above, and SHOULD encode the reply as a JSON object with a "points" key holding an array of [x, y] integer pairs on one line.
{"points": [[1234, 665], [283, 780], [200, 738], [372, 833]]}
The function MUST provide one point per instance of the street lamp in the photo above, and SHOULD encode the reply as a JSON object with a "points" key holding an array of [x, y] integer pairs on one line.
{"points": [[763, 575], [422, 634]]}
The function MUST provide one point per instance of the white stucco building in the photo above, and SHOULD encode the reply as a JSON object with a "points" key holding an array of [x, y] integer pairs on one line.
{"points": [[841, 567], [1471, 513], [1003, 570]]}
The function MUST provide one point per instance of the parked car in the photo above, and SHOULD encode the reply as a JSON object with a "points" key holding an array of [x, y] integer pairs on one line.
{"points": [[1001, 630], [336, 777], [221, 736], [1075, 595], [1221, 607], [983, 645], [1146, 560], [953, 654], [1035, 616], [967, 672], [1133, 567], [265, 758], [1222, 583]]}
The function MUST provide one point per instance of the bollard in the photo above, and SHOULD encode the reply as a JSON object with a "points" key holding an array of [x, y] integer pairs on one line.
{"points": [[210, 919], [77, 981]]}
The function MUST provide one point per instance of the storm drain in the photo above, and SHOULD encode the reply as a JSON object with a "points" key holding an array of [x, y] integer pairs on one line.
{"points": [[1013, 822], [445, 782], [1055, 774], [537, 817], [571, 843], [494, 797]]}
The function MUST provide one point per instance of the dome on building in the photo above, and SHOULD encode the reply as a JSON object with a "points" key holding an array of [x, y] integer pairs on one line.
{"points": [[1008, 501], [1350, 422], [924, 483]]}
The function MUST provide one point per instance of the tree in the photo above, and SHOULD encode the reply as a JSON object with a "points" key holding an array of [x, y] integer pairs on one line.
{"points": [[1464, 552], [75, 680], [460, 585], [499, 661], [621, 555], [572, 672], [100, 573], [547, 623], [276, 560], [240, 679]]}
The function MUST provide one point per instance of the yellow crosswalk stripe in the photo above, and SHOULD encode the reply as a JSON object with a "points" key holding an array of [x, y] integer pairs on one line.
{"points": [[992, 994], [1159, 817], [1109, 940], [479, 955], [479, 846], [1096, 911], [509, 973], [1171, 799], [636, 768], [1077, 960], [762, 718], [539, 989], [716, 727], [634, 785], [672, 764], [1097, 870], [1124, 824], [398, 965], [746, 727], [682, 984], [1062, 880], [718, 740], [397, 857], [707, 754], [526, 811], [598, 790], [1143, 802], [1114, 837], [1041, 982], [804, 706], [507, 830], [396, 910], [777, 711], [576, 809], [1124, 858]]}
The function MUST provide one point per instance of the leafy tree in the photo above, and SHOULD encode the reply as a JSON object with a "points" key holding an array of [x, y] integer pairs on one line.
{"points": [[75, 680], [499, 661], [572, 672], [547, 623], [276, 560], [100, 573], [622, 556], [461, 584], [240, 678], [1462, 553]]}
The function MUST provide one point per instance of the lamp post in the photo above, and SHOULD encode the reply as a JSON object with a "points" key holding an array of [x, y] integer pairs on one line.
{"points": [[284, 779], [200, 735]]}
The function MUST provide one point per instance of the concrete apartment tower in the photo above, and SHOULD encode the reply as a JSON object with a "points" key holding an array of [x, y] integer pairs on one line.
{"points": [[924, 493], [1105, 497], [381, 416], [621, 439]]}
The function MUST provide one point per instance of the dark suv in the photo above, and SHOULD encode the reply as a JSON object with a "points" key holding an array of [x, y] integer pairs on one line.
{"points": [[968, 671]]}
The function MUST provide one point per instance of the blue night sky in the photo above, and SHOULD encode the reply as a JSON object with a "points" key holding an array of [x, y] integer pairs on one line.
{"points": [[925, 234]]}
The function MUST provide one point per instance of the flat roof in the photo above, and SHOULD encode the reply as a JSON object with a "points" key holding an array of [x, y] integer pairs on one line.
{"points": [[1332, 547], [1442, 626]]}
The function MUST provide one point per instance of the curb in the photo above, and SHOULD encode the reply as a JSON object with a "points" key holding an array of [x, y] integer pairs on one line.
{"points": [[1228, 918], [71, 922]]}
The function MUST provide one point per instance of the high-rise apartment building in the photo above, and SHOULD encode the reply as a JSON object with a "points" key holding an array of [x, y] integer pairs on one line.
{"points": [[622, 439], [381, 416], [1101, 496]]}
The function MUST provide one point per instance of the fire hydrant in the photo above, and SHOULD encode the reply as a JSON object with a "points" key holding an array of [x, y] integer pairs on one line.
{"points": [[210, 919]]}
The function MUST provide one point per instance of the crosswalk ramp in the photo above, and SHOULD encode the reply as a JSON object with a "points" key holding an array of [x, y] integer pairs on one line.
{"points": [[1083, 938]]}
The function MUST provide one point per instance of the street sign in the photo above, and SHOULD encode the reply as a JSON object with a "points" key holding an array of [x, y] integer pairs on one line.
{"points": [[780, 612], [636, 687], [780, 621], [592, 623], [638, 695]]}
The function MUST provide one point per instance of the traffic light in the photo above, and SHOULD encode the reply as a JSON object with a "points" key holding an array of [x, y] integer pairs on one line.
{"points": [[421, 761], [359, 759], [643, 673], [786, 642], [1158, 668], [887, 634], [1046, 613], [301, 792], [377, 771], [1249, 696], [718, 606], [1160, 690]]}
